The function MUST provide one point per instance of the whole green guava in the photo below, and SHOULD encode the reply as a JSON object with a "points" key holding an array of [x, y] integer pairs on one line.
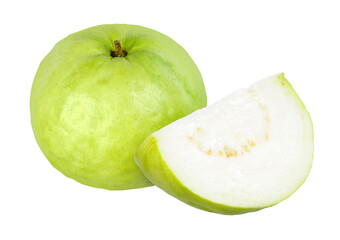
{"points": [[101, 91]]}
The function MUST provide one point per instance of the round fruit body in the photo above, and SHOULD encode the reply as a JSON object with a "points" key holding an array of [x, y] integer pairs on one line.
{"points": [[91, 109]]}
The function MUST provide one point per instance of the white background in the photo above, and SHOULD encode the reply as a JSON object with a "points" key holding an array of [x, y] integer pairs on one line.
{"points": [[234, 43]]}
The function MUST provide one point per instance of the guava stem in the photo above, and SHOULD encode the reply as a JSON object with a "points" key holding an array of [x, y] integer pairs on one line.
{"points": [[119, 51]]}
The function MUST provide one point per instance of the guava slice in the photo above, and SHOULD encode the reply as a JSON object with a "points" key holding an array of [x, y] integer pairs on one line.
{"points": [[246, 152]]}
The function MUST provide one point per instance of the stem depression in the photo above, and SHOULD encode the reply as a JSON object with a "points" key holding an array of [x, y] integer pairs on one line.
{"points": [[119, 52]]}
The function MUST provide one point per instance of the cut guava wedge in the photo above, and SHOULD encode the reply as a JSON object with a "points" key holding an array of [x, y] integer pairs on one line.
{"points": [[248, 151]]}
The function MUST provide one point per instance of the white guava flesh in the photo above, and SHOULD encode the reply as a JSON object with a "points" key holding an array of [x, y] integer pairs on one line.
{"points": [[248, 151]]}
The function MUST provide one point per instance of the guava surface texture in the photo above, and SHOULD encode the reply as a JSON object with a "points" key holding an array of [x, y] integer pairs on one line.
{"points": [[91, 107]]}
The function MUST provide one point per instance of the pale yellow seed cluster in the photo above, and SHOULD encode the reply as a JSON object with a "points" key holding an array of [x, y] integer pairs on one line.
{"points": [[230, 152], [227, 151], [244, 148]]}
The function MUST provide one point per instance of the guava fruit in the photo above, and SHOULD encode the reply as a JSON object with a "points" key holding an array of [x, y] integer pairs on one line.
{"points": [[246, 152], [101, 91]]}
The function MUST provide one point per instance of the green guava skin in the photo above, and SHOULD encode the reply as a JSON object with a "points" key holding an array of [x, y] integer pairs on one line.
{"points": [[90, 111], [150, 160]]}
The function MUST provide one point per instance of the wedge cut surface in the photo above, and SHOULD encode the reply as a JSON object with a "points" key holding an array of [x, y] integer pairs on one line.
{"points": [[246, 152]]}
